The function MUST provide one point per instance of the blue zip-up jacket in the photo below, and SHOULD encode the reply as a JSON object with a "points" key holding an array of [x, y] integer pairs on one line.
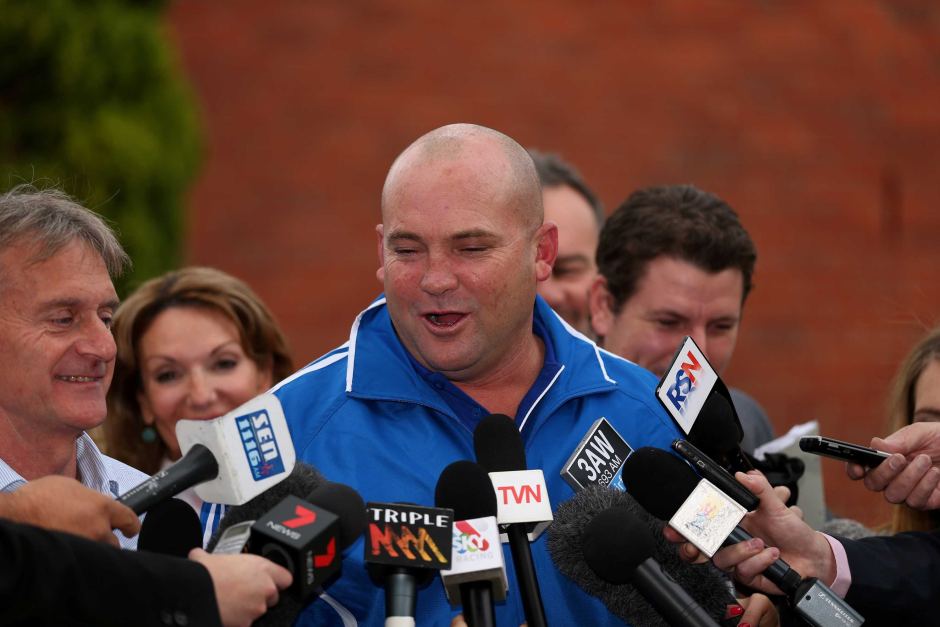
{"points": [[364, 415]]}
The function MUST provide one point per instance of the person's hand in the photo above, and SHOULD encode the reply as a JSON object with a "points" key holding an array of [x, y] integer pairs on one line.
{"points": [[806, 550], [690, 553], [245, 585], [759, 611], [779, 532], [63, 504], [910, 475]]}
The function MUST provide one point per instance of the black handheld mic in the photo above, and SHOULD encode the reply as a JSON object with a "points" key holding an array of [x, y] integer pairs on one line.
{"points": [[229, 459], [478, 575], [171, 527], [684, 504], [406, 546], [499, 448], [648, 470], [619, 549], [567, 545]]}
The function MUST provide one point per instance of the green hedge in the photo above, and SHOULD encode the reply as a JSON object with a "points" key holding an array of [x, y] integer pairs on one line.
{"points": [[92, 100]]}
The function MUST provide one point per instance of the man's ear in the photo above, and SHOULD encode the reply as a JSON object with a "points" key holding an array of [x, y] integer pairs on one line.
{"points": [[546, 250], [601, 304], [380, 233]]}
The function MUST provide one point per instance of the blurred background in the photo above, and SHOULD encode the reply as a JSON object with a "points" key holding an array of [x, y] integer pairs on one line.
{"points": [[254, 136]]}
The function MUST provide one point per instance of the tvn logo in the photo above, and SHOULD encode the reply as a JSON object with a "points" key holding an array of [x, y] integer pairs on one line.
{"points": [[257, 438], [523, 494], [686, 385]]}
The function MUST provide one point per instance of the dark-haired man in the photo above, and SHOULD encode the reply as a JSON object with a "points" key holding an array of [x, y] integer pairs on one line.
{"points": [[675, 261]]}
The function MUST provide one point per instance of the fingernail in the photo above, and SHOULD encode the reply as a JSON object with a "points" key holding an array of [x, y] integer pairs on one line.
{"points": [[894, 462], [733, 611], [744, 625], [755, 544], [775, 552]]}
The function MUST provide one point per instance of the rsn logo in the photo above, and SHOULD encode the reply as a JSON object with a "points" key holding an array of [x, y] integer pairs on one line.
{"points": [[468, 540], [257, 438], [684, 385]]}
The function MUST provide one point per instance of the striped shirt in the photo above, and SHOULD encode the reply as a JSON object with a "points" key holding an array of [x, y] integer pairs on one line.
{"points": [[95, 470]]}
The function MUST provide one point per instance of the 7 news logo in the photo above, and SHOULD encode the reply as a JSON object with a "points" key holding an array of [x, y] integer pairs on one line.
{"points": [[257, 438]]}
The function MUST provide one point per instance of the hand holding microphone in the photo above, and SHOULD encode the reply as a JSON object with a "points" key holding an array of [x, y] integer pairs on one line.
{"points": [[230, 459]]}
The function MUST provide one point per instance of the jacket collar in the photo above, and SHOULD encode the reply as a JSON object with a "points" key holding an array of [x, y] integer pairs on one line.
{"points": [[379, 367]]}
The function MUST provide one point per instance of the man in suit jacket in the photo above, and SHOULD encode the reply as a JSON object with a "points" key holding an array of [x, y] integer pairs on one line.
{"points": [[54, 578]]}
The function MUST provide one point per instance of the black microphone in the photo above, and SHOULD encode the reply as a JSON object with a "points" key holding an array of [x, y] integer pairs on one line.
{"points": [[717, 433], [302, 480], [567, 542], [478, 576], [170, 527], [648, 470], [619, 549], [305, 535], [499, 448], [406, 546], [229, 459]]}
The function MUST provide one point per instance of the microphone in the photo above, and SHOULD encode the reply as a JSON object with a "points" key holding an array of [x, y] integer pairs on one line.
{"points": [[571, 546], [699, 402], [617, 560], [478, 576], [229, 459], [407, 544], [598, 458], [170, 527], [522, 502], [709, 519], [304, 535]]}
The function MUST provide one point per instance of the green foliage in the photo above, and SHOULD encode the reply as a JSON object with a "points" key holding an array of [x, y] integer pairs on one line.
{"points": [[92, 101]]}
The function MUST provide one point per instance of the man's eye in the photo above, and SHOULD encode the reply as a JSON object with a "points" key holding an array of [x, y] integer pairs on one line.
{"points": [[63, 321], [667, 324]]}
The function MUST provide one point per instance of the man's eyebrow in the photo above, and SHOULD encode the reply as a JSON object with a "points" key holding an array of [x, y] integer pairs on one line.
{"points": [[72, 303], [472, 234]]}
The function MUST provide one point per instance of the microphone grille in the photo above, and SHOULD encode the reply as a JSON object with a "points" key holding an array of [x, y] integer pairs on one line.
{"points": [[658, 480], [614, 543], [498, 445], [465, 487]]}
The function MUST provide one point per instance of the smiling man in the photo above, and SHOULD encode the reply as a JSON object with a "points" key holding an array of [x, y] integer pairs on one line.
{"points": [[458, 334], [56, 349]]}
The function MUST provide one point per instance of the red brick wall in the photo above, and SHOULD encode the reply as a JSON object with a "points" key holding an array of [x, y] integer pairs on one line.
{"points": [[818, 122]]}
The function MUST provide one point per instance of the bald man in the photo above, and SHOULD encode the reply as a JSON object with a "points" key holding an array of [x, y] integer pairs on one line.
{"points": [[459, 334]]}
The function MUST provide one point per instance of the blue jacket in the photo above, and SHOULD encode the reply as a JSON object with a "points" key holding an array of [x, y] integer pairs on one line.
{"points": [[364, 415]]}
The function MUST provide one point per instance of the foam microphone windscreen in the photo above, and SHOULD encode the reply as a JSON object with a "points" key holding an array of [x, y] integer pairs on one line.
{"points": [[171, 527], [302, 480], [717, 430], [658, 480], [498, 445], [465, 487], [344, 502], [704, 583]]}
